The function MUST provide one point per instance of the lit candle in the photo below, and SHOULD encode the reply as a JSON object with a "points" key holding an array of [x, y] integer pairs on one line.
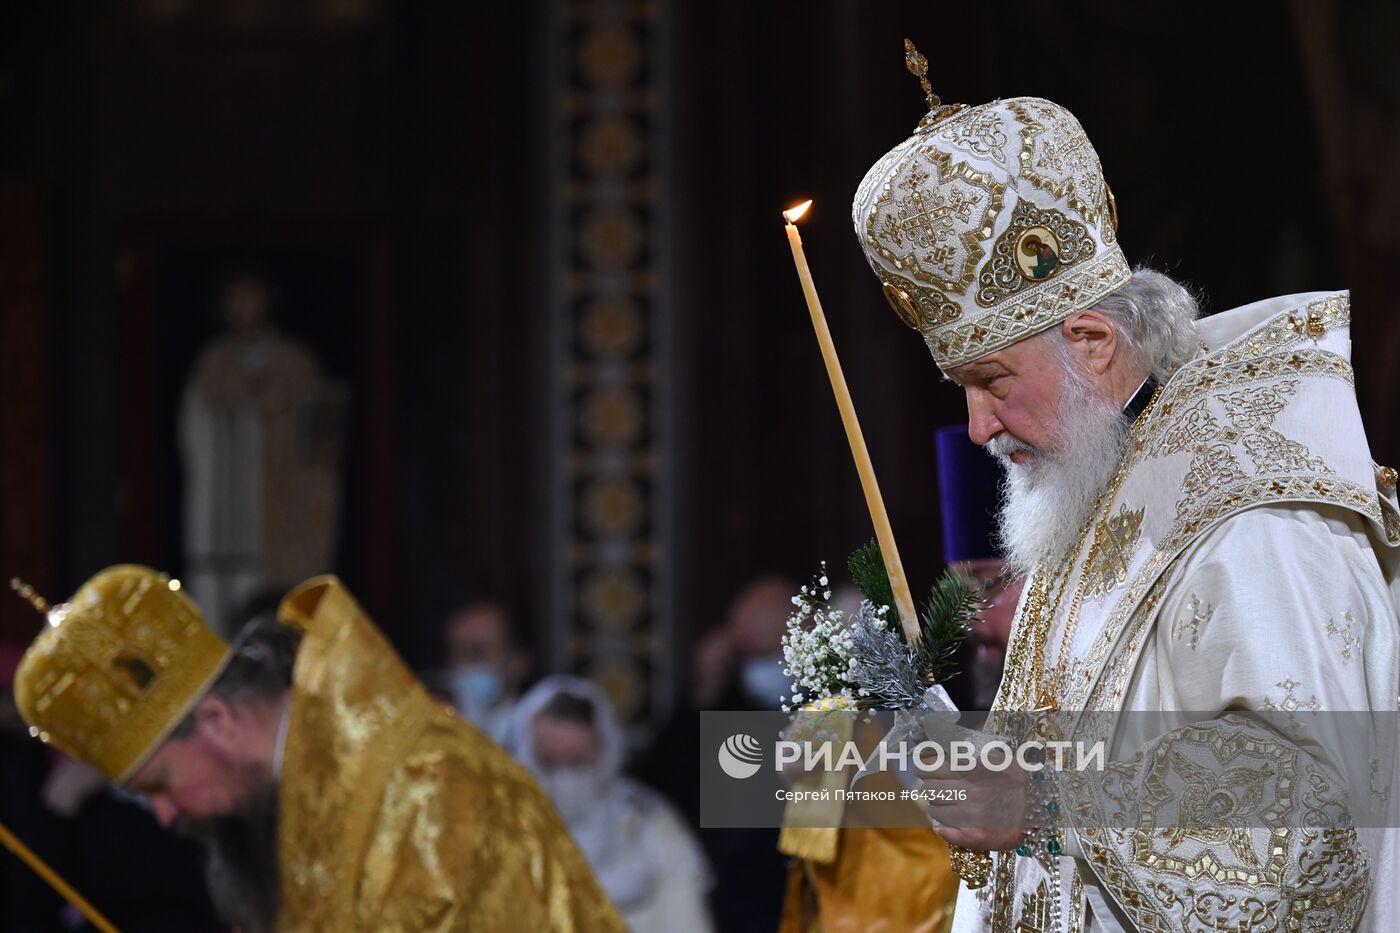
{"points": [[884, 534]]}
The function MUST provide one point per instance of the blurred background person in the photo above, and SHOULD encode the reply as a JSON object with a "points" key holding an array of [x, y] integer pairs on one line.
{"points": [[265, 749], [969, 482], [260, 431], [646, 858], [486, 666], [86, 830], [738, 666]]}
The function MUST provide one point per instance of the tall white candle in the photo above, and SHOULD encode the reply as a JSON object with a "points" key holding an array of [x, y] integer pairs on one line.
{"points": [[884, 534]]}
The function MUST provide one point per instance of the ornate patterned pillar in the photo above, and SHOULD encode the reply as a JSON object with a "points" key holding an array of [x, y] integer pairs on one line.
{"points": [[610, 447]]}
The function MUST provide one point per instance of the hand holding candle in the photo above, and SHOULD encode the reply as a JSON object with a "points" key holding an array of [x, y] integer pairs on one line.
{"points": [[884, 534]]}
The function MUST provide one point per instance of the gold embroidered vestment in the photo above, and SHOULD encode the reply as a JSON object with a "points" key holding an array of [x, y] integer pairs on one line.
{"points": [[395, 815]]}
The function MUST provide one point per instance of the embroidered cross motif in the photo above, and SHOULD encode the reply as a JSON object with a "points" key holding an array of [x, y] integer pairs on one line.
{"points": [[1200, 615], [914, 181], [934, 222], [1107, 567], [1290, 703], [1346, 633]]}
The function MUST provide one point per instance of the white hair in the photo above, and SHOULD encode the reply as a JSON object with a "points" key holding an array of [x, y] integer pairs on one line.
{"points": [[1155, 315]]}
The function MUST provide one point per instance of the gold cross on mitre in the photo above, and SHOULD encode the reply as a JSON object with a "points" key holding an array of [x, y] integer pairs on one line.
{"points": [[918, 67], [29, 595]]}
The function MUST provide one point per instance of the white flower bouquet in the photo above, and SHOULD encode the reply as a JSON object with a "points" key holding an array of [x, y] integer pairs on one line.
{"points": [[864, 661]]}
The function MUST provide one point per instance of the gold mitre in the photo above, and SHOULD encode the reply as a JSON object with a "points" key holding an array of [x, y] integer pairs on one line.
{"points": [[117, 668], [989, 224]]}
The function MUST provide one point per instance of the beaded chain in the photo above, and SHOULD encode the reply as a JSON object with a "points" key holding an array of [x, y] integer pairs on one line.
{"points": [[1042, 831]]}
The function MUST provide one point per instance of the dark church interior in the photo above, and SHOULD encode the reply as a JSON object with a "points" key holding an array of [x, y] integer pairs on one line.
{"points": [[529, 260]]}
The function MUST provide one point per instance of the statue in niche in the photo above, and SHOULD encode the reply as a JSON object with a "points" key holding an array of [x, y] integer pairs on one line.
{"points": [[261, 434]]}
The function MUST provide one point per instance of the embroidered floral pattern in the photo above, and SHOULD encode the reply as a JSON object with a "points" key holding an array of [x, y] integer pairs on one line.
{"points": [[981, 134], [938, 209], [1252, 411]]}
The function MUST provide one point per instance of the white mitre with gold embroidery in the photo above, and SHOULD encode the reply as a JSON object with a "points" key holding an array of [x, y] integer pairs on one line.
{"points": [[989, 224]]}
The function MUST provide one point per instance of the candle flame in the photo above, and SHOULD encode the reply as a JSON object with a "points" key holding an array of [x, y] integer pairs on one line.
{"points": [[793, 214]]}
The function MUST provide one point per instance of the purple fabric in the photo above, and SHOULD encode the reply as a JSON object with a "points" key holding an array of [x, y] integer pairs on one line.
{"points": [[968, 477], [10, 655]]}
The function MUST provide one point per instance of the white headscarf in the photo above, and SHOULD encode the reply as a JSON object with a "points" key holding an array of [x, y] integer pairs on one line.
{"points": [[607, 814], [612, 741]]}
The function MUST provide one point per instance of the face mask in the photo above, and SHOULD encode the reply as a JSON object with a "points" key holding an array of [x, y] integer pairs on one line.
{"points": [[764, 681], [574, 790], [475, 689]]}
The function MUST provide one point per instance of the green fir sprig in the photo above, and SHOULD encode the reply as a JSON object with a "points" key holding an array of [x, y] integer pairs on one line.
{"points": [[867, 569], [864, 660], [947, 617]]}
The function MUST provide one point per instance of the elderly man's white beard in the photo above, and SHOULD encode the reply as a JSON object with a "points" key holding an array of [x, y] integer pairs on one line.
{"points": [[1047, 497]]}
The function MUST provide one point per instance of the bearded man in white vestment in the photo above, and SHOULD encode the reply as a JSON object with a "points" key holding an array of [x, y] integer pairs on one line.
{"points": [[1203, 529]]}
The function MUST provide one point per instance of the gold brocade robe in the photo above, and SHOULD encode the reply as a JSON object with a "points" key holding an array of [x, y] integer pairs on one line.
{"points": [[398, 816], [882, 880], [849, 876]]}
